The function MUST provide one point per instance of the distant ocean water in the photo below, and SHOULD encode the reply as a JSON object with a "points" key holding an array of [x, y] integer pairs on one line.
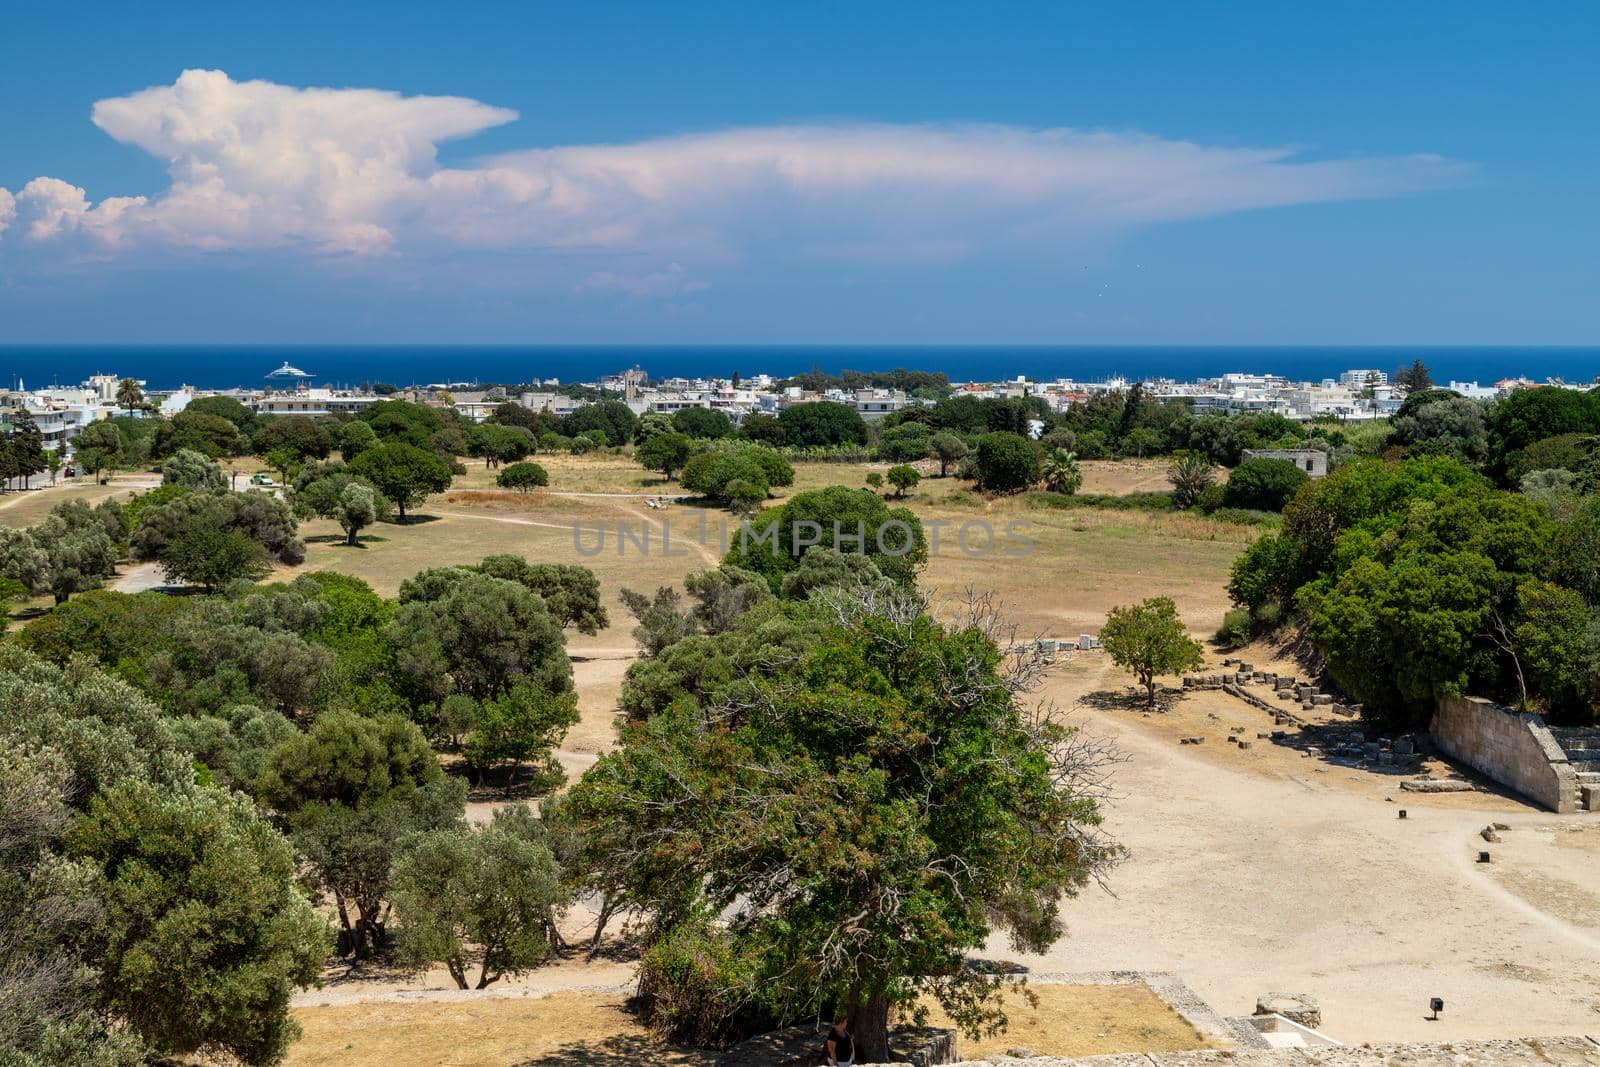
{"points": [[224, 366]]}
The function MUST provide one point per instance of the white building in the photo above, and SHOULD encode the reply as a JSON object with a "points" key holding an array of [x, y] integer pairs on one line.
{"points": [[1360, 379]]}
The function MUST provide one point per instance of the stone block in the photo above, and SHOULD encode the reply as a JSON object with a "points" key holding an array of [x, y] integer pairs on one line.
{"points": [[1296, 1007], [1191, 740], [1244, 744], [1322, 699]]}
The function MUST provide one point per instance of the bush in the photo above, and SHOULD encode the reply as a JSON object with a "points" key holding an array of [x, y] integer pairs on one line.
{"points": [[1235, 629], [522, 477], [1005, 462], [1263, 484], [1209, 499], [1147, 501], [697, 989]]}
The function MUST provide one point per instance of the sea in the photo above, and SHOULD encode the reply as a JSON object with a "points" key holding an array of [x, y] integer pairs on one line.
{"points": [[247, 366]]}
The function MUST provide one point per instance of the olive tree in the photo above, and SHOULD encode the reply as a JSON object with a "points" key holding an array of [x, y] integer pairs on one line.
{"points": [[1149, 639], [812, 813], [496, 888]]}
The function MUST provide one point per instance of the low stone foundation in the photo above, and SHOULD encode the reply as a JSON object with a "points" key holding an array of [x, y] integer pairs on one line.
{"points": [[1520, 1052]]}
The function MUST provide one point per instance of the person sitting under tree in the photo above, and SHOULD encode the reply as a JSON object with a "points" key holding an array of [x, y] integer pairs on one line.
{"points": [[841, 1047]]}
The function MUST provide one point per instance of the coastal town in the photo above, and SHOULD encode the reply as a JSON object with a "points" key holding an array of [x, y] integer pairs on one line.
{"points": [[1357, 395]]}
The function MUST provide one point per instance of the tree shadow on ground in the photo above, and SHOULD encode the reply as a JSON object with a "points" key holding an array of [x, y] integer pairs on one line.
{"points": [[1130, 699], [621, 1050], [413, 520], [338, 540]]}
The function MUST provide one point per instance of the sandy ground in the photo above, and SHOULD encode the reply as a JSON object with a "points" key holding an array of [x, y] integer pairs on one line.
{"points": [[1269, 870]]}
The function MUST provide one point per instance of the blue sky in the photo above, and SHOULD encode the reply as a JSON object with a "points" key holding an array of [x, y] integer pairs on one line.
{"points": [[916, 173]]}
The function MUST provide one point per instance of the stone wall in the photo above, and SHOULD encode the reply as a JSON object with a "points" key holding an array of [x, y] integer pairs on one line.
{"points": [[1514, 750]]}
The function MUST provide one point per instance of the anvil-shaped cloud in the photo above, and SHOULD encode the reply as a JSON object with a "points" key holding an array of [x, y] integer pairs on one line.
{"points": [[354, 172]]}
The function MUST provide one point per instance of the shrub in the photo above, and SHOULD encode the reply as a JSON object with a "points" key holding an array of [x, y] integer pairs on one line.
{"points": [[1263, 484], [1235, 629], [522, 477], [697, 989]]}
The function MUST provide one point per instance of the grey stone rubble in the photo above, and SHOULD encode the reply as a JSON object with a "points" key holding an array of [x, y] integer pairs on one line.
{"points": [[1518, 1052]]}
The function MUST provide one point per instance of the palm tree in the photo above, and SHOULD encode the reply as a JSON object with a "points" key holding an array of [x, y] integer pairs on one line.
{"points": [[1060, 471]]}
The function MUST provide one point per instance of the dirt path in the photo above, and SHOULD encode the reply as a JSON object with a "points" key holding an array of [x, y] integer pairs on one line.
{"points": [[138, 578]]}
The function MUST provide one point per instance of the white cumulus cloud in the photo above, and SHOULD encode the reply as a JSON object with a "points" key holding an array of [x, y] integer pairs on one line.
{"points": [[258, 165]]}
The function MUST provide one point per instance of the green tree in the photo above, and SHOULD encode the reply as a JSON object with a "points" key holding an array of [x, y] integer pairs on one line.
{"points": [[837, 518], [522, 726], [194, 539], [213, 556], [98, 447], [24, 447], [1190, 474], [903, 478], [499, 444], [814, 814], [666, 452], [192, 470], [1060, 473], [358, 508], [403, 473], [52, 459], [1263, 484], [210, 435], [350, 789], [332, 492], [1415, 378], [947, 448], [821, 423], [662, 621], [523, 477], [68, 552], [1553, 640], [298, 435], [206, 936], [1149, 639], [703, 423], [612, 418], [571, 593], [1530, 415], [1005, 463], [762, 429], [495, 888], [456, 630], [129, 395], [225, 407], [354, 438], [1447, 426]]}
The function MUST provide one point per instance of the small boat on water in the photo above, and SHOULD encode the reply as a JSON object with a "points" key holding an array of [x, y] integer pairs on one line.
{"points": [[287, 371]]}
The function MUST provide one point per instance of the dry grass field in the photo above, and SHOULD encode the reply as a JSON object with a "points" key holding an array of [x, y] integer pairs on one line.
{"points": [[1083, 1020], [595, 1030]]}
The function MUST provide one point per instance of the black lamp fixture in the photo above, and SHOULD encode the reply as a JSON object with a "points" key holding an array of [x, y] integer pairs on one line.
{"points": [[1437, 1005]]}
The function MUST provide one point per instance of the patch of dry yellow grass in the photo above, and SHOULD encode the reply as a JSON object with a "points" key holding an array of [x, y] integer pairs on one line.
{"points": [[1083, 1020]]}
